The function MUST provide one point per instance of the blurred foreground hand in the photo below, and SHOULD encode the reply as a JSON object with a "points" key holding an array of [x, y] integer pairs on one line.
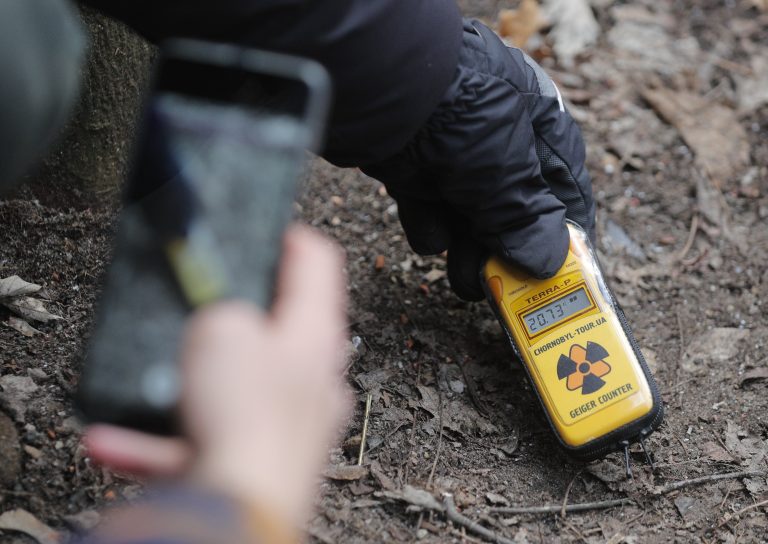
{"points": [[263, 394]]}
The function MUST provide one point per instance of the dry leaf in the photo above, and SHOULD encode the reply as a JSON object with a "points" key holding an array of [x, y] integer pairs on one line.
{"points": [[496, 499], [574, 28], [16, 393], [715, 452], [743, 446], [754, 375], [14, 286], [717, 346], [456, 415], [711, 130], [345, 473], [433, 275], [710, 202], [415, 497], [753, 89], [518, 25], [22, 326], [23, 522], [31, 309]]}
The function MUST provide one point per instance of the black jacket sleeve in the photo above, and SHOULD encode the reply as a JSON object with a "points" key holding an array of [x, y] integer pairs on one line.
{"points": [[390, 60]]}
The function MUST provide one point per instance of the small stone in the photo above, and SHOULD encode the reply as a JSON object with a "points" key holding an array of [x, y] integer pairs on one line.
{"points": [[496, 499], [685, 505], [37, 374], [70, 425], [433, 275], [457, 386], [421, 534], [33, 452], [379, 263]]}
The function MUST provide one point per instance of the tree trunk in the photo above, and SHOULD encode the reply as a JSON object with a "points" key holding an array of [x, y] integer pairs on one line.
{"points": [[94, 151]]}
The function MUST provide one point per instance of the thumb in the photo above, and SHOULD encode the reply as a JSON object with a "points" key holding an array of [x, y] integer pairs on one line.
{"points": [[539, 246]]}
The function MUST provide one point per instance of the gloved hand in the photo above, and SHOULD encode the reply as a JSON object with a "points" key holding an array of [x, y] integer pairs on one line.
{"points": [[497, 169]]}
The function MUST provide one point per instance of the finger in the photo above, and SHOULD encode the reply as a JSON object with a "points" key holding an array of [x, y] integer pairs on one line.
{"points": [[217, 325], [311, 288], [137, 453], [465, 260], [539, 247], [424, 224]]}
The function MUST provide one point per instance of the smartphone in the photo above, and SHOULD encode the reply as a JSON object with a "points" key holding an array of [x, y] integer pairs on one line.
{"points": [[216, 166]]}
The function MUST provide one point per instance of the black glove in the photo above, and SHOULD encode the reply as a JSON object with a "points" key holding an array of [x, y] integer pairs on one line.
{"points": [[497, 168]]}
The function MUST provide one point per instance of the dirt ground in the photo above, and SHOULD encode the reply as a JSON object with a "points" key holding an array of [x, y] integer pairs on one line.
{"points": [[674, 110]]}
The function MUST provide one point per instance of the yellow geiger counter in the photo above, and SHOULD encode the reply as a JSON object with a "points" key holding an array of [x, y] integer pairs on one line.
{"points": [[578, 350]]}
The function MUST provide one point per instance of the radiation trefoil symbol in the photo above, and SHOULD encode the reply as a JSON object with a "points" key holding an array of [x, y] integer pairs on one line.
{"points": [[584, 368]]}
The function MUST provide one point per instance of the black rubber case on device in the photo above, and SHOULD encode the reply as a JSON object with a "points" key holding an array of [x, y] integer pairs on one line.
{"points": [[620, 437]]}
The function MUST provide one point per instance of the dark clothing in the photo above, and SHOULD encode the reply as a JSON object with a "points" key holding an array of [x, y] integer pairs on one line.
{"points": [[499, 161], [41, 48], [470, 136], [390, 60]]}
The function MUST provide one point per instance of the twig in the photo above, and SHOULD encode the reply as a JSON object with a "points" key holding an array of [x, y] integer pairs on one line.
{"points": [[680, 359], [695, 260], [439, 437], [452, 514], [576, 531], [567, 492], [555, 508], [732, 66], [12, 493], [368, 401], [727, 494], [472, 389], [411, 439], [674, 486], [634, 519], [729, 517], [691, 237]]}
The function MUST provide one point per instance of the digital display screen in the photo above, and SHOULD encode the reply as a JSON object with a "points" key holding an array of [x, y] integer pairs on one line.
{"points": [[557, 311]]}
